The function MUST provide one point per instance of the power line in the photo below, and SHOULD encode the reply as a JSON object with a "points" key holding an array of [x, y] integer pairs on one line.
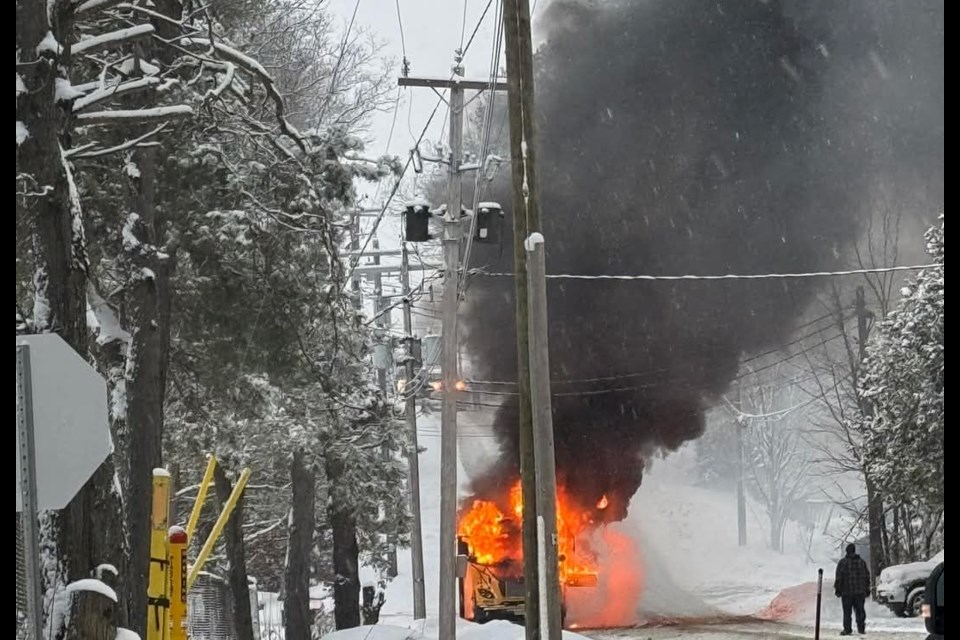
{"points": [[396, 185], [785, 359], [797, 340], [642, 374], [463, 24], [729, 276], [463, 50], [484, 146], [403, 42], [406, 166]]}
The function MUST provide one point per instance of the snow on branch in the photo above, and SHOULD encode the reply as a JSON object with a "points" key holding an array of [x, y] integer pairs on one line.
{"points": [[113, 91], [77, 153], [131, 116], [229, 72], [251, 65], [91, 5], [89, 45]]}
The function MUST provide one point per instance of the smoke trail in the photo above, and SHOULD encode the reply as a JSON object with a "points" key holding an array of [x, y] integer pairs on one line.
{"points": [[698, 136]]}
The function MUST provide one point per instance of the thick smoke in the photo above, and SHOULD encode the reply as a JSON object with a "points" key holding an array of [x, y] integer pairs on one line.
{"points": [[697, 136]]}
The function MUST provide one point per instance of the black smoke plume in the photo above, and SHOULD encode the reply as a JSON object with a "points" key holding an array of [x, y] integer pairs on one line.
{"points": [[697, 137]]}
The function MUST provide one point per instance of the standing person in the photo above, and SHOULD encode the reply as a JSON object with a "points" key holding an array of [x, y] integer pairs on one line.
{"points": [[852, 584], [373, 600]]}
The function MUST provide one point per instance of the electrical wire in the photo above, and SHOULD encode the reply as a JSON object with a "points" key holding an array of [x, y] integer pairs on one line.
{"points": [[599, 379], [463, 24], [484, 148], [396, 185], [463, 50], [403, 42], [406, 166], [729, 276]]}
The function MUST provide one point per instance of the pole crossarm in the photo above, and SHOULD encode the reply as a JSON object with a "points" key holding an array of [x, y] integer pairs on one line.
{"points": [[452, 83]]}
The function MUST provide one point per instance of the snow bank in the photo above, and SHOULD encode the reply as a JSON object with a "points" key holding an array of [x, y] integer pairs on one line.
{"points": [[798, 605], [427, 630]]}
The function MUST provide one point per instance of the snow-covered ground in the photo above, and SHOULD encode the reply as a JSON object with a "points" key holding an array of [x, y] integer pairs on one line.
{"points": [[427, 630], [687, 537]]}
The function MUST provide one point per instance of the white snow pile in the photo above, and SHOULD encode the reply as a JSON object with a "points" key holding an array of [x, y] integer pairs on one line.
{"points": [[49, 44], [94, 585], [428, 630], [126, 634], [22, 133]]}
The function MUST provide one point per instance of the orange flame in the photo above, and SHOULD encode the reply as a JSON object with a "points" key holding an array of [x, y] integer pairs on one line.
{"points": [[602, 503], [493, 537]]}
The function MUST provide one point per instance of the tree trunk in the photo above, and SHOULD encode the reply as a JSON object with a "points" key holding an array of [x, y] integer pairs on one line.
{"points": [[776, 532], [346, 551], [88, 532], [875, 530], [296, 603], [233, 535], [147, 366]]}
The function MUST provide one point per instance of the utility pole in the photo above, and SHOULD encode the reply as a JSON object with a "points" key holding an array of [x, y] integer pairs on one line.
{"points": [[741, 494], [448, 367], [448, 418], [526, 220], [354, 247], [413, 476], [549, 571], [874, 503], [382, 314]]}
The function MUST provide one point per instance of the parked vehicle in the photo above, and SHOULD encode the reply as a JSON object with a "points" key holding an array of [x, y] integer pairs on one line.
{"points": [[901, 587]]}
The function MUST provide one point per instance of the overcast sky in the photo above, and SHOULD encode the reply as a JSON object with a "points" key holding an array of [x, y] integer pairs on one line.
{"points": [[431, 30]]}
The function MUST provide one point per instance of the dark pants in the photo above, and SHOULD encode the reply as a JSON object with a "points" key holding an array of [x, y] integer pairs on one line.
{"points": [[854, 604]]}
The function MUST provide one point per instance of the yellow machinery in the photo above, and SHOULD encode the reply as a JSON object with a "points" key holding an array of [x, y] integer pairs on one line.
{"points": [[158, 585], [170, 575]]}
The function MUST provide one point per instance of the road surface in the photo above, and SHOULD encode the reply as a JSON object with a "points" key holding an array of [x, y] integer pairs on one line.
{"points": [[746, 631]]}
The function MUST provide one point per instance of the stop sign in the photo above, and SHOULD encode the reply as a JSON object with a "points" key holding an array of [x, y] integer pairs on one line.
{"points": [[70, 420]]}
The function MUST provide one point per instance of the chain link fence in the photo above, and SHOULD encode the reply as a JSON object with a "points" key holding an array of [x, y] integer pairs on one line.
{"points": [[210, 602], [210, 609]]}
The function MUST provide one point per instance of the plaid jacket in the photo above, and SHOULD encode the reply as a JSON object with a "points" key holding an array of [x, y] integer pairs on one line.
{"points": [[853, 577]]}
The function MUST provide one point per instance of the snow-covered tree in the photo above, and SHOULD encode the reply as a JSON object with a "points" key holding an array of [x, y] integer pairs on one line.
{"points": [[204, 257], [772, 413], [903, 382]]}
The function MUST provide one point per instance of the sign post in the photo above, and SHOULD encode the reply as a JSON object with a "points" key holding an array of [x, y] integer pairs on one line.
{"points": [[816, 629], [63, 435], [27, 492]]}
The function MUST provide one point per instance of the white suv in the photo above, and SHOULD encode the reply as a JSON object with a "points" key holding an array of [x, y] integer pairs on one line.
{"points": [[901, 586]]}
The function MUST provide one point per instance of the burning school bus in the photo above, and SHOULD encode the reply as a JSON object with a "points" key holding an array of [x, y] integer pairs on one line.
{"points": [[490, 557]]}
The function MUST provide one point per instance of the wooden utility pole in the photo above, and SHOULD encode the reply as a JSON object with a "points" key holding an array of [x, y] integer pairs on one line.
{"points": [[381, 312], [413, 474], [448, 418], [526, 220], [741, 424], [376, 271], [547, 558]]}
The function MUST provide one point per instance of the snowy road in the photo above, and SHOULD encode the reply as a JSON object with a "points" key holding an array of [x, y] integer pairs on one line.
{"points": [[692, 562], [749, 631]]}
